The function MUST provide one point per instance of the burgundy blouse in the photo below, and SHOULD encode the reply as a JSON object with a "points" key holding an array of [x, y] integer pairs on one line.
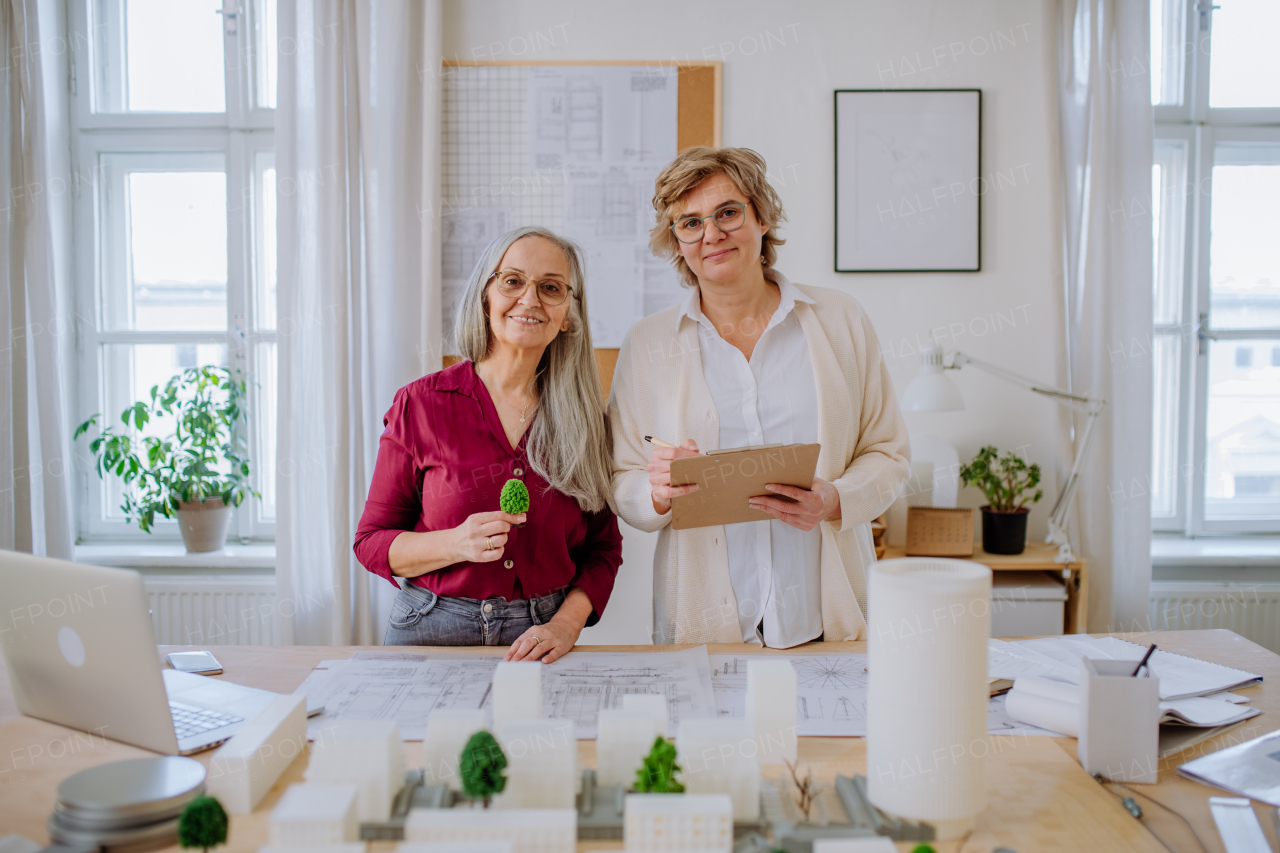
{"points": [[444, 456]]}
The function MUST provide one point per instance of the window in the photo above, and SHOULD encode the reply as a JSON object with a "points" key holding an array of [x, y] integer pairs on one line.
{"points": [[173, 110], [1216, 172]]}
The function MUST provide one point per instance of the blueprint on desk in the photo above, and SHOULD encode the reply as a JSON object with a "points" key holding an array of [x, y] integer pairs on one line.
{"points": [[407, 686], [831, 695]]}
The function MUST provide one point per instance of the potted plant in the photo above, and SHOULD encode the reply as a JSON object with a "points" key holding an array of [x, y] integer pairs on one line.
{"points": [[1006, 481], [198, 473]]}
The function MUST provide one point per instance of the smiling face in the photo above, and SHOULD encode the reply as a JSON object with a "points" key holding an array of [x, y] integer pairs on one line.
{"points": [[718, 257], [525, 322]]}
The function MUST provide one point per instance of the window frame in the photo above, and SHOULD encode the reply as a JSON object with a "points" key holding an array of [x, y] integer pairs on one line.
{"points": [[238, 135], [1204, 129]]}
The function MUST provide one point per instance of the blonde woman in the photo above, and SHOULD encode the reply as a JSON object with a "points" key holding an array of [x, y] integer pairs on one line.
{"points": [[749, 359], [525, 405]]}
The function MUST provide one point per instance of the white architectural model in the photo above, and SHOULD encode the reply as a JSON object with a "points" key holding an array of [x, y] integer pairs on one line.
{"points": [[542, 764], [771, 708], [448, 730], [526, 830], [652, 704], [245, 768], [623, 739], [366, 753], [517, 693], [719, 756], [310, 816], [678, 822]]}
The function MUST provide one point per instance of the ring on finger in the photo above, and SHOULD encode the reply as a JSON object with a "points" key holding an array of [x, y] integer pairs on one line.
{"points": [[488, 543], [537, 641]]}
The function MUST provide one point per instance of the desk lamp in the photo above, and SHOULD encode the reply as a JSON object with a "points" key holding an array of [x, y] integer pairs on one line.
{"points": [[932, 391]]}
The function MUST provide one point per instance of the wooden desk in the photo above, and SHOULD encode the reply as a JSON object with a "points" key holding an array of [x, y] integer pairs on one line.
{"points": [[1039, 797], [1038, 557]]}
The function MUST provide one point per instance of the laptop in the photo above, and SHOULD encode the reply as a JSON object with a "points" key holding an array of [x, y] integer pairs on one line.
{"points": [[81, 653]]}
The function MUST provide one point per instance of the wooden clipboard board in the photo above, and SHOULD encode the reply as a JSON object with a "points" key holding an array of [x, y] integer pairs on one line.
{"points": [[728, 479]]}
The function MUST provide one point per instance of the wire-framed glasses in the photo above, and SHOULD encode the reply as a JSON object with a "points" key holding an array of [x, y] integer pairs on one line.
{"points": [[512, 285], [689, 229]]}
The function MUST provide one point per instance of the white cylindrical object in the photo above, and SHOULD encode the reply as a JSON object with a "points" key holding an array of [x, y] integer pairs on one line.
{"points": [[927, 693]]}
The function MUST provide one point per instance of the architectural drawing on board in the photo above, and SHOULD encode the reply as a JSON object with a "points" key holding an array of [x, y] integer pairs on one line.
{"points": [[406, 686], [464, 234]]}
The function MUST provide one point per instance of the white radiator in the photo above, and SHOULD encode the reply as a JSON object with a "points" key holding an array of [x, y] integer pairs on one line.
{"points": [[1251, 610], [212, 611]]}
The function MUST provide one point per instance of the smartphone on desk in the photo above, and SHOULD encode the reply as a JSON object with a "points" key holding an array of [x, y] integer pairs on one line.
{"points": [[201, 663]]}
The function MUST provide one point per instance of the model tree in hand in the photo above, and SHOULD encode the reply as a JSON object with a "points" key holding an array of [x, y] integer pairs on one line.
{"points": [[658, 773], [481, 766], [514, 498], [203, 824]]}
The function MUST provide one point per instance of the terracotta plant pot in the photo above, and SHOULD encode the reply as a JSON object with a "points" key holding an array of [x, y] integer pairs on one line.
{"points": [[204, 524], [1004, 532]]}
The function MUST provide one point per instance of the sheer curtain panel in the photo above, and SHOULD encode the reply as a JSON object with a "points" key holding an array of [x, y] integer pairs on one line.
{"points": [[357, 142], [35, 473], [1106, 127]]}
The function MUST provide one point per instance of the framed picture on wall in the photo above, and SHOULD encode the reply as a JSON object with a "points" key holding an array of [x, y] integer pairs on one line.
{"points": [[908, 180]]}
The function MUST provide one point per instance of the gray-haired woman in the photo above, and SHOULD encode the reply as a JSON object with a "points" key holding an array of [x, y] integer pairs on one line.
{"points": [[526, 404]]}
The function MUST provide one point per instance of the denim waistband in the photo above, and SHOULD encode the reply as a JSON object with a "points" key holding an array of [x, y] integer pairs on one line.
{"points": [[498, 607]]}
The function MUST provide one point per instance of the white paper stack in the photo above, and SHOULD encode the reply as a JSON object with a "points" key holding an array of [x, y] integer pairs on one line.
{"points": [[720, 756], [652, 704], [1055, 705], [366, 753], [671, 822], [517, 692], [927, 690], [448, 730], [771, 708], [542, 764], [245, 767], [310, 816], [623, 739], [526, 830]]}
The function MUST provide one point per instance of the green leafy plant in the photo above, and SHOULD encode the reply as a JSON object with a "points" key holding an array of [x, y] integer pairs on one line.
{"points": [[481, 766], [514, 498], [203, 458], [203, 824], [658, 773], [1005, 480]]}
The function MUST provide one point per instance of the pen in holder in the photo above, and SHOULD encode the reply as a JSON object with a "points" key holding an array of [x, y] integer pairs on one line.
{"points": [[1119, 722]]}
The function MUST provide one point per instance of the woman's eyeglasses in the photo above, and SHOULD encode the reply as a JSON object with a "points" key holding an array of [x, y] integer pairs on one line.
{"points": [[689, 229], [512, 285]]}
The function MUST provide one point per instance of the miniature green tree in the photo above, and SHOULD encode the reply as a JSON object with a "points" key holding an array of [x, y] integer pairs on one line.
{"points": [[514, 498], [481, 766], [658, 774], [1002, 479], [203, 824]]}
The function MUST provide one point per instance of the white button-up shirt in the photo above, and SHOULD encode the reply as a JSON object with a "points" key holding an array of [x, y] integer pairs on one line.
{"points": [[771, 399]]}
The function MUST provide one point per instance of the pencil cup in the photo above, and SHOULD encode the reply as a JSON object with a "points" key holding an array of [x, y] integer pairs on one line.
{"points": [[1119, 722]]}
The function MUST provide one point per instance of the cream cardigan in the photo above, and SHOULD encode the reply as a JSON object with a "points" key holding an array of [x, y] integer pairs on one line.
{"points": [[659, 389]]}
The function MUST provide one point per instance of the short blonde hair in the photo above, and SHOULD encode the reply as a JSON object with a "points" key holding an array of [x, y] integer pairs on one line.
{"points": [[691, 167]]}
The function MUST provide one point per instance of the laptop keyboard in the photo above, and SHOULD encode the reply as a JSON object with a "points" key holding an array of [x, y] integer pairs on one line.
{"points": [[189, 721]]}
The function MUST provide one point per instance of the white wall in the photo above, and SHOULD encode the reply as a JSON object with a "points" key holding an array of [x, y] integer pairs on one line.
{"points": [[782, 63]]}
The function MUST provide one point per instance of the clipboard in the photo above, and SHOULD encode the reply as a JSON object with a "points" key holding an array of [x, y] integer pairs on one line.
{"points": [[727, 479]]}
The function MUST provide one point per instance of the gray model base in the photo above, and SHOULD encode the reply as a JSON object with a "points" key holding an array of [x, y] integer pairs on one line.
{"points": [[600, 816]]}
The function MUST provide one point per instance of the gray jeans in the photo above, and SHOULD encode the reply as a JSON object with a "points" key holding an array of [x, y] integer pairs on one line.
{"points": [[419, 617]]}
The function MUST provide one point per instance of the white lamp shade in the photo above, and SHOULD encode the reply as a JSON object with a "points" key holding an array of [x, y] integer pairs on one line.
{"points": [[931, 391]]}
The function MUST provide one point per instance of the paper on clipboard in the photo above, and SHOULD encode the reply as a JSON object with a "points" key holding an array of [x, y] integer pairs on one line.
{"points": [[728, 479]]}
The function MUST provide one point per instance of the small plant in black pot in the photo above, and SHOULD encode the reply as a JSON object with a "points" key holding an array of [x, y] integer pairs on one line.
{"points": [[1008, 482]]}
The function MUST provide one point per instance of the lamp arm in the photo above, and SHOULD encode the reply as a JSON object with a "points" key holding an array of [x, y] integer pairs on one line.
{"points": [[1076, 401]]}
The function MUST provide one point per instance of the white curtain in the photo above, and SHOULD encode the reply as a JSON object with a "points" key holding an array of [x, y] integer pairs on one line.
{"points": [[35, 499], [1106, 131], [357, 148]]}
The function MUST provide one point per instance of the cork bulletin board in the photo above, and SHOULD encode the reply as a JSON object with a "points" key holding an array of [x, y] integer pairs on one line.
{"points": [[484, 150]]}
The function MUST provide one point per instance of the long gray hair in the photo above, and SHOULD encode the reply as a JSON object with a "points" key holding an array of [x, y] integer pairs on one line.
{"points": [[569, 444]]}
